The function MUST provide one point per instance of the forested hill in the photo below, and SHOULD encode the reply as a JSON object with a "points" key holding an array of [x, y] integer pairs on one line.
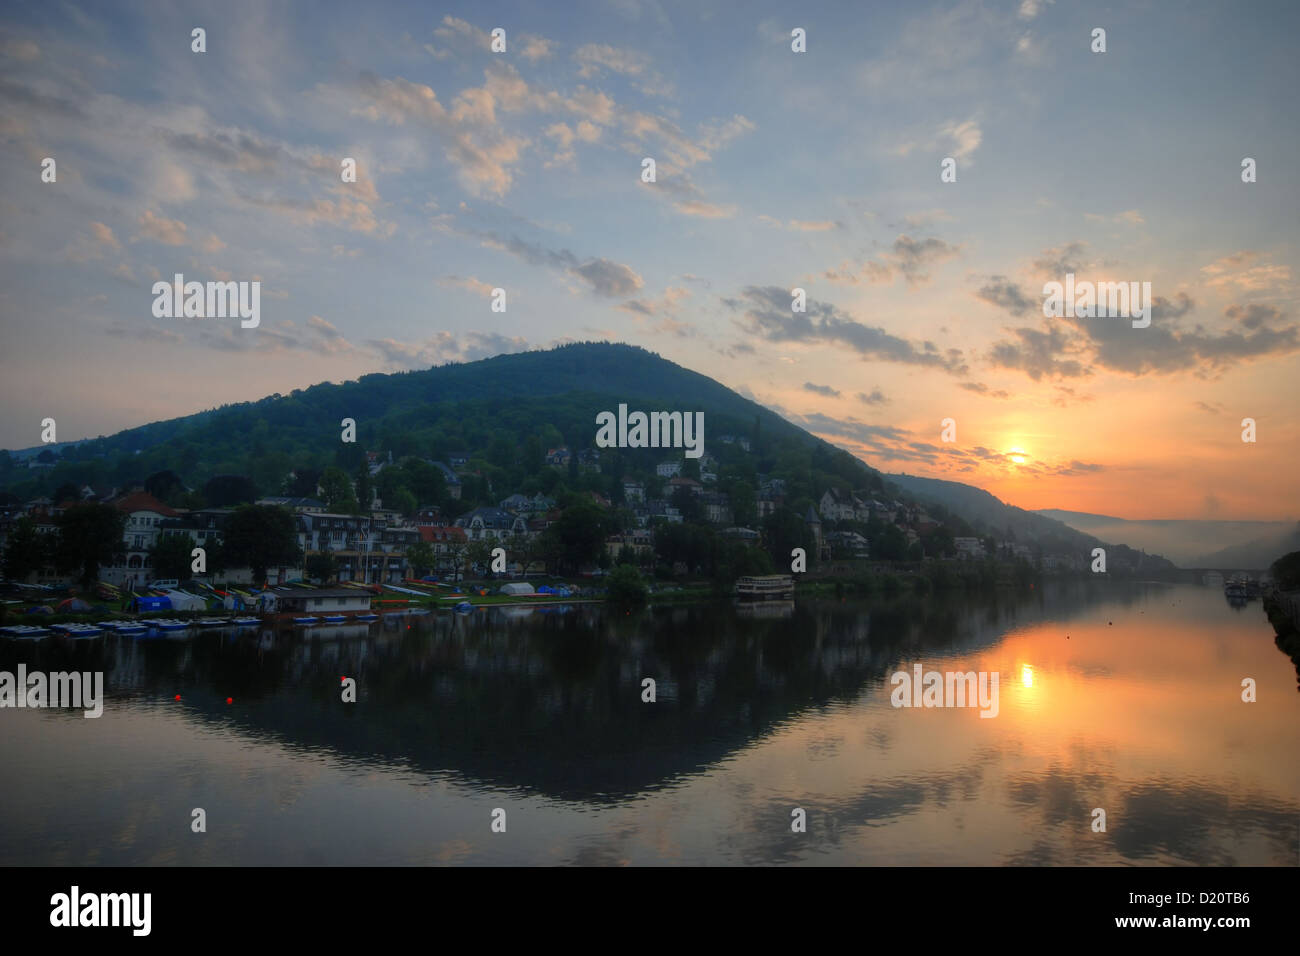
{"points": [[503, 415], [488, 409], [1009, 523]]}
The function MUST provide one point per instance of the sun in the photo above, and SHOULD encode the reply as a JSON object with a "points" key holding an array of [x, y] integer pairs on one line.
{"points": [[1018, 455]]}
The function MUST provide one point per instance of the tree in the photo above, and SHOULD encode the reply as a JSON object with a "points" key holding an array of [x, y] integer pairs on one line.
{"points": [[226, 491], [365, 488], [337, 489], [744, 505], [456, 553], [688, 503], [66, 492], [260, 537], [304, 482], [402, 502], [163, 484], [89, 536], [321, 566], [625, 586], [27, 550], [783, 531], [1286, 571], [172, 556], [521, 548], [477, 555], [890, 544], [580, 534], [422, 559]]}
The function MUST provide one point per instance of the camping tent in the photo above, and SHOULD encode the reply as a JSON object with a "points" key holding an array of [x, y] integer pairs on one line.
{"points": [[517, 587], [152, 604], [183, 601], [73, 606]]}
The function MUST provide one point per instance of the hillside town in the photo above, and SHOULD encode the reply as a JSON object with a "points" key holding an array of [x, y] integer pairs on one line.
{"points": [[335, 538]]}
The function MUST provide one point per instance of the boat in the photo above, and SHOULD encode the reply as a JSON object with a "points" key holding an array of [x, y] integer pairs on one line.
{"points": [[366, 617], [247, 621], [172, 625], [765, 587], [132, 630], [83, 631], [213, 622], [26, 631], [306, 621], [464, 607], [335, 618]]}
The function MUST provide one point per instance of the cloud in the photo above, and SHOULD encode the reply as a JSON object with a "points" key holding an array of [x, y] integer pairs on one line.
{"points": [[1005, 294], [1244, 271], [908, 257], [102, 234], [1130, 217], [1039, 354], [1067, 396], [767, 315], [170, 232], [824, 390], [534, 48], [876, 397], [1073, 347], [23, 51], [445, 347], [604, 276], [965, 138], [926, 217], [666, 305], [979, 388], [594, 59], [1056, 262], [482, 153], [608, 278], [469, 283], [802, 225], [675, 185]]}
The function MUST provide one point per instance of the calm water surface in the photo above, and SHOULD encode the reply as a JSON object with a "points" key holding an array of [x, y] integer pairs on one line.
{"points": [[1126, 698]]}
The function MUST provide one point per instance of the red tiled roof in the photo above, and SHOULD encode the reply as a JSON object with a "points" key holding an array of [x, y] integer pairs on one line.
{"points": [[143, 501]]}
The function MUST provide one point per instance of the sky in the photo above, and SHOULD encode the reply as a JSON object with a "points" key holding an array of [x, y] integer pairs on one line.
{"points": [[774, 170]]}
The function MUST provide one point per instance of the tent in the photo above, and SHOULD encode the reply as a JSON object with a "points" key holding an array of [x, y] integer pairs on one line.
{"points": [[73, 606], [40, 609], [182, 601], [152, 604], [517, 587]]}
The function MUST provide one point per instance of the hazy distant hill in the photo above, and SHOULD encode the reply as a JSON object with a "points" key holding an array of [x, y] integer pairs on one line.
{"points": [[1192, 543], [1254, 555], [990, 514]]}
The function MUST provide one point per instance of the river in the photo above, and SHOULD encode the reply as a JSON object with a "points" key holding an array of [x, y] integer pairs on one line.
{"points": [[1113, 697]]}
